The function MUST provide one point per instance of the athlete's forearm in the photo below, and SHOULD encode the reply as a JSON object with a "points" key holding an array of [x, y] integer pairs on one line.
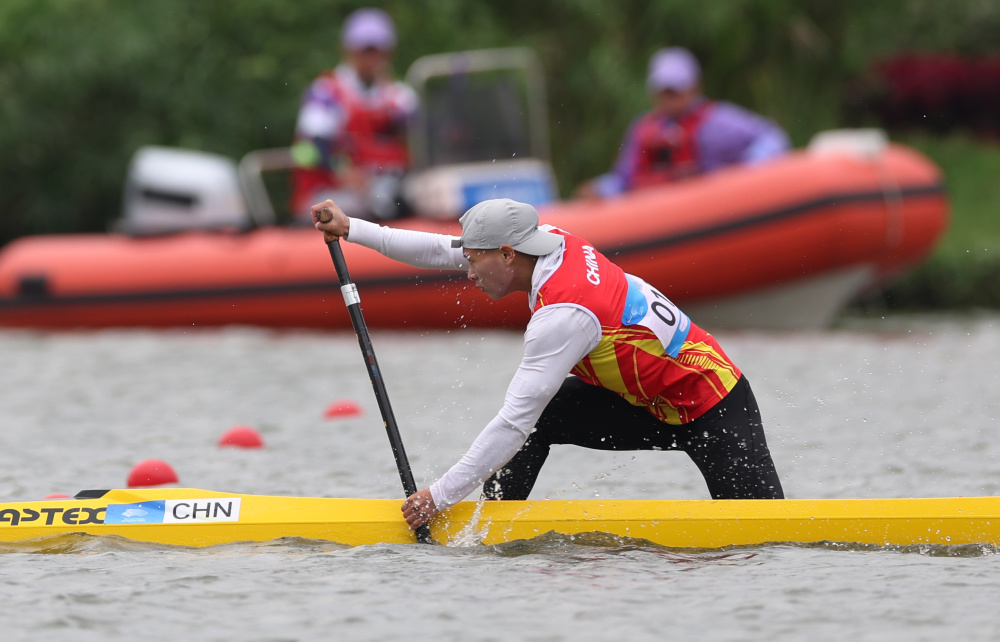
{"points": [[494, 447], [556, 339], [419, 249]]}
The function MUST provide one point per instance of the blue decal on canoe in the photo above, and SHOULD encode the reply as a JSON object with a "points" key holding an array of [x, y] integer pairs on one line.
{"points": [[141, 513]]}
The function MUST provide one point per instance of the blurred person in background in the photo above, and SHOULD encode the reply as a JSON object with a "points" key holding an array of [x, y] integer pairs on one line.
{"points": [[685, 134], [350, 138]]}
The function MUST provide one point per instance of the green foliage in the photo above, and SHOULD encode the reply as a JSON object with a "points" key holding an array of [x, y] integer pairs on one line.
{"points": [[84, 83], [964, 270], [970, 170]]}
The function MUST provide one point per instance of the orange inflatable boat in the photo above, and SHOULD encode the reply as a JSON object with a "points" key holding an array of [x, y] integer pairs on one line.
{"points": [[782, 245]]}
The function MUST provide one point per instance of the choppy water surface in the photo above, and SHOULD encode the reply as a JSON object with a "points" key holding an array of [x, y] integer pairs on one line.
{"points": [[892, 408]]}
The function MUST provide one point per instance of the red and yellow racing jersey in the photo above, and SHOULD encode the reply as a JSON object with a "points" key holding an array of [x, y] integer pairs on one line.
{"points": [[649, 352]]}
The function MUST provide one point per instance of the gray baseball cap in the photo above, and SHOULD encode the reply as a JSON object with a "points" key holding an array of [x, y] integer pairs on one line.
{"points": [[501, 221]]}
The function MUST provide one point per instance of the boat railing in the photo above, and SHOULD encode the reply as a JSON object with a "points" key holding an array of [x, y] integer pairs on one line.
{"points": [[477, 106], [251, 175]]}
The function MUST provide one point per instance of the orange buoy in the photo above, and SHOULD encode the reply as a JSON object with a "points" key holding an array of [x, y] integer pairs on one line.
{"points": [[241, 437], [151, 472], [56, 496], [342, 408]]}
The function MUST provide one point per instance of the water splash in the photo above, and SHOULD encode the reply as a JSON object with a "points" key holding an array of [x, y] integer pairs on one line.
{"points": [[472, 534]]}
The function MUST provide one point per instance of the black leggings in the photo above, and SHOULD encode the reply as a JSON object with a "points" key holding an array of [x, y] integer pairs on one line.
{"points": [[726, 443]]}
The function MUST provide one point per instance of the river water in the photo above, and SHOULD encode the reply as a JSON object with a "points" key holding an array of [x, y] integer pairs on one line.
{"points": [[896, 407]]}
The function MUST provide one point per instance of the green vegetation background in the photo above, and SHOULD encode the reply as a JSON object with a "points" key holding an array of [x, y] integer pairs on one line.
{"points": [[84, 83]]}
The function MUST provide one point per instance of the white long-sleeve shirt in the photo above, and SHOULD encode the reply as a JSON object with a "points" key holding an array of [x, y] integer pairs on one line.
{"points": [[556, 339]]}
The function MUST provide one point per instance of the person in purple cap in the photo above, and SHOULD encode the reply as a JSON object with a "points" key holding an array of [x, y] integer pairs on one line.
{"points": [[350, 138], [685, 133]]}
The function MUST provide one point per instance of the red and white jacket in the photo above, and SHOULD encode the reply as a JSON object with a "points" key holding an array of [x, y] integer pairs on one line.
{"points": [[351, 122]]}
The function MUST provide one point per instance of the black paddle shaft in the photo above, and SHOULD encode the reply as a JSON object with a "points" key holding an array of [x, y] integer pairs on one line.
{"points": [[353, 302]]}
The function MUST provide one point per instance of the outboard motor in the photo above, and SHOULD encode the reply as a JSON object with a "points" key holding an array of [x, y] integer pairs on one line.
{"points": [[174, 190]]}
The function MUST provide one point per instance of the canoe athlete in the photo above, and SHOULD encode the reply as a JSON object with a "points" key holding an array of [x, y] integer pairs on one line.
{"points": [[609, 362]]}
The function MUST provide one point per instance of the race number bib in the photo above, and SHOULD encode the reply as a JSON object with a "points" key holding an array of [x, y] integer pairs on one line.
{"points": [[648, 307]]}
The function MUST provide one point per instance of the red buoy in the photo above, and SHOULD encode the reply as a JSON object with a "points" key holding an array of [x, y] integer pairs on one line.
{"points": [[151, 472], [56, 496], [241, 437], [342, 408]]}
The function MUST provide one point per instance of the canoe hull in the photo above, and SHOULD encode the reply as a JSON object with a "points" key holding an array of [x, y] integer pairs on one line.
{"points": [[193, 517]]}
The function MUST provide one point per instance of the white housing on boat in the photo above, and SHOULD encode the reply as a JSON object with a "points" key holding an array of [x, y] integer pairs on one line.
{"points": [[860, 143], [446, 192], [172, 190]]}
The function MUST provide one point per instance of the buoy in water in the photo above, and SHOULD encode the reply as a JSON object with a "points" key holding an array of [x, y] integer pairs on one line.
{"points": [[342, 408], [151, 472], [241, 437], [56, 496]]}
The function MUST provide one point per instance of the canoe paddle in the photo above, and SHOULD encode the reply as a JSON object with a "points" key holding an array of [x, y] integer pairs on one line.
{"points": [[353, 301]]}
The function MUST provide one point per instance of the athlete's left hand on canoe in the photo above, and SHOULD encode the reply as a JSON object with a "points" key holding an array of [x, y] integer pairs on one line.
{"points": [[419, 508]]}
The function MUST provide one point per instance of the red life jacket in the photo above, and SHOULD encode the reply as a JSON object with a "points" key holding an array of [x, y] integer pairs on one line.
{"points": [[668, 147], [631, 359], [373, 138]]}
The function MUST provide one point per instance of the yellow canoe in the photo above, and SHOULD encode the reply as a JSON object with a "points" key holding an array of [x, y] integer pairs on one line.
{"points": [[192, 517]]}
